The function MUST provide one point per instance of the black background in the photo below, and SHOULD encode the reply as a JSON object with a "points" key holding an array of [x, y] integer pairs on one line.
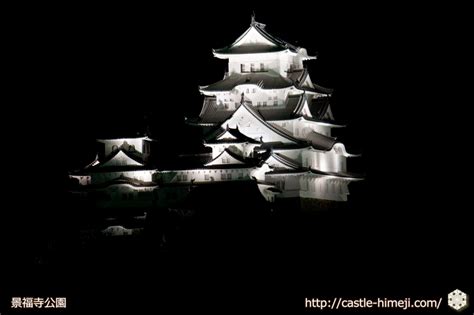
{"points": [[86, 72]]}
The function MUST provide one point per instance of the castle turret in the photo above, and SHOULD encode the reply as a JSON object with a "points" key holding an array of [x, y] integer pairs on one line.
{"points": [[267, 102]]}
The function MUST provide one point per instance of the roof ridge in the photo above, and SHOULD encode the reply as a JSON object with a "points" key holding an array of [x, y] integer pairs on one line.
{"points": [[272, 127], [113, 154], [235, 132], [232, 154], [285, 160], [133, 157], [260, 28], [258, 78]]}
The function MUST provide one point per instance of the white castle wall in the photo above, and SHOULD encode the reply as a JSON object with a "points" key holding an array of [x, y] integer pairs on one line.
{"points": [[253, 94], [279, 62], [326, 161], [205, 175], [301, 128], [142, 175], [311, 186]]}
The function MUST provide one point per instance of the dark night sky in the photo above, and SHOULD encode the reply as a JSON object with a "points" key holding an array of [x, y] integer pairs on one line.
{"points": [[97, 72], [86, 72]]}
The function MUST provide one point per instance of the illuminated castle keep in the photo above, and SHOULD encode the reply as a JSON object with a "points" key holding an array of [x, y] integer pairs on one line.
{"points": [[266, 123], [272, 122]]}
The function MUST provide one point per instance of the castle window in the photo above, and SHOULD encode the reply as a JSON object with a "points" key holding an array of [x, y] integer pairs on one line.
{"points": [[252, 67], [206, 177], [262, 67], [264, 103], [223, 176], [275, 102], [229, 176], [242, 68], [259, 103], [253, 90]]}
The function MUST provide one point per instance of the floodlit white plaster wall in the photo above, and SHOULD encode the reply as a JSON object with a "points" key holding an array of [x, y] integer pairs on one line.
{"points": [[301, 128], [253, 94], [326, 161], [143, 175], [327, 188], [279, 62], [271, 61], [205, 175], [310, 186]]}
